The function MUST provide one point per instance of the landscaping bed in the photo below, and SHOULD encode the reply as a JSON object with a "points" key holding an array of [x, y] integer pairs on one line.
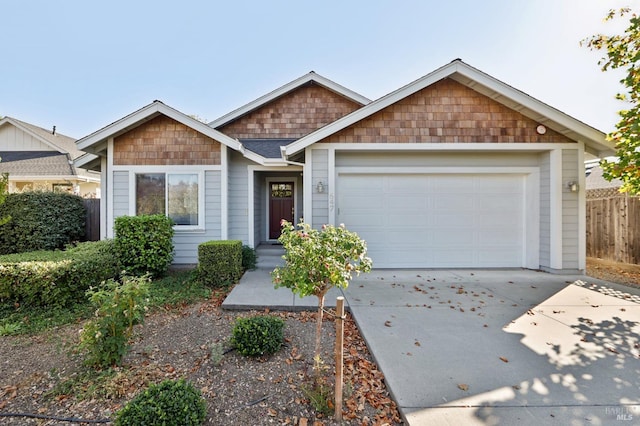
{"points": [[43, 374]]}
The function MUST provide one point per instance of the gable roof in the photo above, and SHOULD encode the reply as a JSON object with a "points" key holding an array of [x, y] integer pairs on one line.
{"points": [[58, 142], [96, 142], [465, 74], [309, 78]]}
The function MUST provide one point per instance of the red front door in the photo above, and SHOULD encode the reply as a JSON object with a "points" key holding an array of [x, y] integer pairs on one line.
{"points": [[280, 206]]}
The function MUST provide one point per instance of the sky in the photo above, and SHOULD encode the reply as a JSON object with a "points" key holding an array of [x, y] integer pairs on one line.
{"points": [[81, 65]]}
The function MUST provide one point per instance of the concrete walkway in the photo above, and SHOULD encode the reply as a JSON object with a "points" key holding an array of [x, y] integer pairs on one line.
{"points": [[489, 347]]}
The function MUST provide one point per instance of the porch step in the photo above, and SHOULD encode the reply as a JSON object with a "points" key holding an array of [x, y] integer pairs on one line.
{"points": [[269, 256]]}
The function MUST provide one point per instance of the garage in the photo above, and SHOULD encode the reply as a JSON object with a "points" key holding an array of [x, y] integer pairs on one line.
{"points": [[438, 220]]}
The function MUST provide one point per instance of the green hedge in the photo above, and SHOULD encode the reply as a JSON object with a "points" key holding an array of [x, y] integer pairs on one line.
{"points": [[220, 262], [144, 244], [41, 221], [56, 278]]}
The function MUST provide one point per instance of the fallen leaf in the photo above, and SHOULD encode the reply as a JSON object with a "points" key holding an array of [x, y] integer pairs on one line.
{"points": [[271, 412], [387, 323], [417, 343], [463, 387], [503, 359]]}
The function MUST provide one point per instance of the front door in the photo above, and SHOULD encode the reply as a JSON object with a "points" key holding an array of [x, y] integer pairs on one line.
{"points": [[280, 206]]}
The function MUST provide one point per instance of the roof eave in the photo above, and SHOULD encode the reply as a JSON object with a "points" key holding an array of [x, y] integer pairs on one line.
{"points": [[94, 143], [471, 77]]}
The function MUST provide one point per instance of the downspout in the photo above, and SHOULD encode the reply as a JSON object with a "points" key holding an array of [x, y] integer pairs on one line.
{"points": [[284, 158]]}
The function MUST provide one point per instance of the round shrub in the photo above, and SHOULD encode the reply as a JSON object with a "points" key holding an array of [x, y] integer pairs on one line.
{"points": [[258, 335], [169, 403], [41, 221]]}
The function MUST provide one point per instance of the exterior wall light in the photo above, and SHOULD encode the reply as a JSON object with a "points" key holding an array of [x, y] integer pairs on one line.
{"points": [[572, 186], [320, 187]]}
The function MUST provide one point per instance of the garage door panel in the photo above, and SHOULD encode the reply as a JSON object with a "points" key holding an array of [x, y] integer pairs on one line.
{"points": [[436, 220]]}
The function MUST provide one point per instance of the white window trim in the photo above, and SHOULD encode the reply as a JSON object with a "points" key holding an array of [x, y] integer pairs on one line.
{"points": [[199, 171]]}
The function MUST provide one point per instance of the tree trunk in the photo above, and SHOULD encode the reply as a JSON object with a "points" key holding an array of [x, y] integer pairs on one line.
{"points": [[319, 325]]}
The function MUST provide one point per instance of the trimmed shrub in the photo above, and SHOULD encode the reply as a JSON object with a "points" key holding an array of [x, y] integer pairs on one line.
{"points": [[41, 221], [144, 244], [169, 403], [249, 258], [220, 262], [258, 335], [105, 337], [56, 278]]}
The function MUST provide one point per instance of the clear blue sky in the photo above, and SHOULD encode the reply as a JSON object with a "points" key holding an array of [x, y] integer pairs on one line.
{"points": [[81, 65]]}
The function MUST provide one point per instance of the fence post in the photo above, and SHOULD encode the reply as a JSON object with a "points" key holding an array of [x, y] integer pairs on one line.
{"points": [[339, 355]]}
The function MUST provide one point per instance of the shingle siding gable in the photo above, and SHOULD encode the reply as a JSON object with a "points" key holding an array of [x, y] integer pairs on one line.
{"points": [[293, 115], [446, 111], [164, 141]]}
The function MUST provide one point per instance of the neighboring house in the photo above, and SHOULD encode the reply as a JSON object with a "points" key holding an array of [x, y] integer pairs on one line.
{"points": [[597, 186], [39, 159], [455, 169]]}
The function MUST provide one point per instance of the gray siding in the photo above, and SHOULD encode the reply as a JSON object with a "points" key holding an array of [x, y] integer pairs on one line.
{"points": [[545, 210], [120, 193], [320, 202], [238, 197], [570, 211]]}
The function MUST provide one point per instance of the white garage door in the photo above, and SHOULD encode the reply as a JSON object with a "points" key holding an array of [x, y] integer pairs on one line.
{"points": [[436, 220]]}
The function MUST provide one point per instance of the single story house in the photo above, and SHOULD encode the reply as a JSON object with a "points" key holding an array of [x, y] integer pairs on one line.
{"points": [[40, 159], [456, 169]]}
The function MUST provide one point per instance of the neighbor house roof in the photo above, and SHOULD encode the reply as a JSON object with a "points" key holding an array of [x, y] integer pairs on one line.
{"points": [[96, 143], [309, 78], [595, 180], [57, 141], [595, 141], [56, 163], [36, 163]]}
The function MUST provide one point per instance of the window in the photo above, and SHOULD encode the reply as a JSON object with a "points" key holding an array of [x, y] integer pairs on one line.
{"points": [[172, 194]]}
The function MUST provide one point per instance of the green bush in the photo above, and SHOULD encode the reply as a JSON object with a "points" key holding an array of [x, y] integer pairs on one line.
{"points": [[170, 403], [144, 244], [258, 335], [220, 262], [105, 337], [56, 278], [41, 221], [249, 258]]}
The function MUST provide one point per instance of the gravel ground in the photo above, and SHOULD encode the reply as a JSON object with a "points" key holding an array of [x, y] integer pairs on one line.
{"points": [[188, 342]]}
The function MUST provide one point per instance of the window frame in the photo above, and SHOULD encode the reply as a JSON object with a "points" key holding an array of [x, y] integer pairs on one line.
{"points": [[170, 171]]}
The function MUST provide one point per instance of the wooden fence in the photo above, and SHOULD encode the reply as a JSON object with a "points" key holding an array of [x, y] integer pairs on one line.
{"points": [[613, 228], [92, 222]]}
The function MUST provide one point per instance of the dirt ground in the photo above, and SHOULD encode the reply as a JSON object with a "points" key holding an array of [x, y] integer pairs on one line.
{"points": [[621, 273], [42, 374]]}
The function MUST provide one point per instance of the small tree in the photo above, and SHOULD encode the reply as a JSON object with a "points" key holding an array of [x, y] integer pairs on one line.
{"points": [[317, 260], [622, 51]]}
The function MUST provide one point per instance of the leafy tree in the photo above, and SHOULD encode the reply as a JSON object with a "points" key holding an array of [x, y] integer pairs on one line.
{"points": [[317, 260], [4, 190], [622, 51]]}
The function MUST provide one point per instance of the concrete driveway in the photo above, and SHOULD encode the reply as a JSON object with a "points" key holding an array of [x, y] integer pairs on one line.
{"points": [[489, 347]]}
